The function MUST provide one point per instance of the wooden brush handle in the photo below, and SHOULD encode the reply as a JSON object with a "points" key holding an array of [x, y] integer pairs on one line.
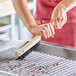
{"points": [[31, 43], [27, 46]]}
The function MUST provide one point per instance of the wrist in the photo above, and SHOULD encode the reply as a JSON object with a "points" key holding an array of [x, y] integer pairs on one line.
{"points": [[30, 27], [68, 5], [64, 5]]}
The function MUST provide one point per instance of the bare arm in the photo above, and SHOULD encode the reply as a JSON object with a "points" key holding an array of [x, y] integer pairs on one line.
{"points": [[23, 12], [69, 4]]}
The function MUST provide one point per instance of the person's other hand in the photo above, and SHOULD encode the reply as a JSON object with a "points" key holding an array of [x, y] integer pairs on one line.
{"points": [[45, 30], [59, 16]]}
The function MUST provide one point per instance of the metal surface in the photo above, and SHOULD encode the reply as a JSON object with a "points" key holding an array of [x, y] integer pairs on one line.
{"points": [[6, 45], [46, 59], [3, 73], [57, 50]]}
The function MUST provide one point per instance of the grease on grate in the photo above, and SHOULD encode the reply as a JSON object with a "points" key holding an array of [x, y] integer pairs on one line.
{"points": [[38, 64]]}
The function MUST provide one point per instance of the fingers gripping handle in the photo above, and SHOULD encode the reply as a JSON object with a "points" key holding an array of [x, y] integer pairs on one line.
{"points": [[29, 45], [52, 23]]}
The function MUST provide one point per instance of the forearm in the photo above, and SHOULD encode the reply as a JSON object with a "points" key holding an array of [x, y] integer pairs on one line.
{"points": [[23, 12], [68, 4]]}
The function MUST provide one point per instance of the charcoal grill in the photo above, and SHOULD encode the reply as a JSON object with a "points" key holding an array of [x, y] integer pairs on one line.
{"points": [[44, 59]]}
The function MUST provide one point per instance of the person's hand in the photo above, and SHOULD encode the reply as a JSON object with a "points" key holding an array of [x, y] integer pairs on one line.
{"points": [[59, 16], [45, 30]]}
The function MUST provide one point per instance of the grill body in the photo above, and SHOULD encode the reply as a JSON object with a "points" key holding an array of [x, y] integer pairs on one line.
{"points": [[45, 60]]}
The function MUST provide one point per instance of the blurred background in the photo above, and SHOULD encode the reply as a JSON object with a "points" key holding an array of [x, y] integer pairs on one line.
{"points": [[11, 27]]}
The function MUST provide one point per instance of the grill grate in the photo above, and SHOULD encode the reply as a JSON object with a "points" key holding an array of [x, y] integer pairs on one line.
{"points": [[39, 64]]}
